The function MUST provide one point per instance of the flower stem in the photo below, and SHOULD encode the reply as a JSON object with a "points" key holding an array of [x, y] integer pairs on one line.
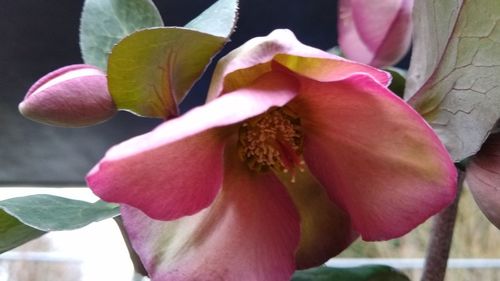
{"points": [[136, 261], [441, 237]]}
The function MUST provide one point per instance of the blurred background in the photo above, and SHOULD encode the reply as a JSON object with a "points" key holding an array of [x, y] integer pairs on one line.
{"points": [[40, 36]]}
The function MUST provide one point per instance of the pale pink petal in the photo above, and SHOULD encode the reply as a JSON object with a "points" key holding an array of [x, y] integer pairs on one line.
{"points": [[325, 229], [483, 178], [375, 32], [376, 156], [250, 232], [176, 169], [254, 58]]}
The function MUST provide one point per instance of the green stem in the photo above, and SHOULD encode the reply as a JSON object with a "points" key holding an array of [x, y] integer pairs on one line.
{"points": [[441, 236]]}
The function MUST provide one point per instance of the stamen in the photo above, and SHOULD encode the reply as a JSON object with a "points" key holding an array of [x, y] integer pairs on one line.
{"points": [[272, 140]]}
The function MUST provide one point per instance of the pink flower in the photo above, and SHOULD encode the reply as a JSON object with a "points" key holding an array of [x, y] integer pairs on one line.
{"points": [[71, 96], [295, 153], [375, 32]]}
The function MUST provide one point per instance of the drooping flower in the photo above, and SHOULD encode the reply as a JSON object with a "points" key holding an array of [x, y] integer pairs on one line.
{"points": [[295, 152], [375, 32], [71, 96]]}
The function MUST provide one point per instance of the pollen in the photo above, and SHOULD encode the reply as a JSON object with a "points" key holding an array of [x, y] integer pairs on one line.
{"points": [[272, 141]]}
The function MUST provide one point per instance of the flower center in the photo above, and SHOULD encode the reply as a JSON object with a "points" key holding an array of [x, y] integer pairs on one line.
{"points": [[272, 140]]}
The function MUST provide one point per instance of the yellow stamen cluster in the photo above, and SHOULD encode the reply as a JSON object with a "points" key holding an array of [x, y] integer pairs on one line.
{"points": [[272, 140]]}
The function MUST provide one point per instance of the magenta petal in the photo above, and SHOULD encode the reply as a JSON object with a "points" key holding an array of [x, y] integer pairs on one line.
{"points": [[176, 169], [483, 178], [375, 32], [376, 156], [250, 232]]}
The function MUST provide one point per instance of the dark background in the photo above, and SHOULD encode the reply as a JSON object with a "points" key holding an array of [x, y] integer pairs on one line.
{"points": [[40, 36]]}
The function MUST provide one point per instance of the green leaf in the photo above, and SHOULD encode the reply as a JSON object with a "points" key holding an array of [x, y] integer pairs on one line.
{"points": [[48, 212], [105, 22], [218, 20], [151, 71], [453, 80], [14, 233], [360, 273], [398, 82]]}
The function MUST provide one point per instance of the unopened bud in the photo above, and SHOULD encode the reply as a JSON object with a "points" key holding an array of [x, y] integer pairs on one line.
{"points": [[72, 96], [375, 32]]}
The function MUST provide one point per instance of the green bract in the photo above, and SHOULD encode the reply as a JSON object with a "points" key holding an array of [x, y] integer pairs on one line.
{"points": [[105, 22], [218, 20], [151, 71]]}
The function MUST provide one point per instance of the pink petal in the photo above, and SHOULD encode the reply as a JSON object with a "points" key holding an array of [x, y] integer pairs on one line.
{"points": [[325, 229], [250, 232], [176, 169], [375, 32], [483, 178], [376, 156], [254, 58], [174, 179]]}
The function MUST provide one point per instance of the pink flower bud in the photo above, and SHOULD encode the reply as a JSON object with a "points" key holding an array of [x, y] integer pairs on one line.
{"points": [[72, 96], [375, 32]]}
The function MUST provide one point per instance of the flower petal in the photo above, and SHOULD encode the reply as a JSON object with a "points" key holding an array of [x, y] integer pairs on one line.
{"points": [[483, 178], [376, 156], [328, 70], [251, 230], [375, 32], [254, 58], [176, 169], [325, 229], [176, 179]]}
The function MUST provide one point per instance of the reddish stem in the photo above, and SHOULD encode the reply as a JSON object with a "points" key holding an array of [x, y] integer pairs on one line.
{"points": [[441, 237]]}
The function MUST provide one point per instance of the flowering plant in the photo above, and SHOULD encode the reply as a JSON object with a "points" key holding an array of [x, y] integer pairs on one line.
{"points": [[296, 152]]}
